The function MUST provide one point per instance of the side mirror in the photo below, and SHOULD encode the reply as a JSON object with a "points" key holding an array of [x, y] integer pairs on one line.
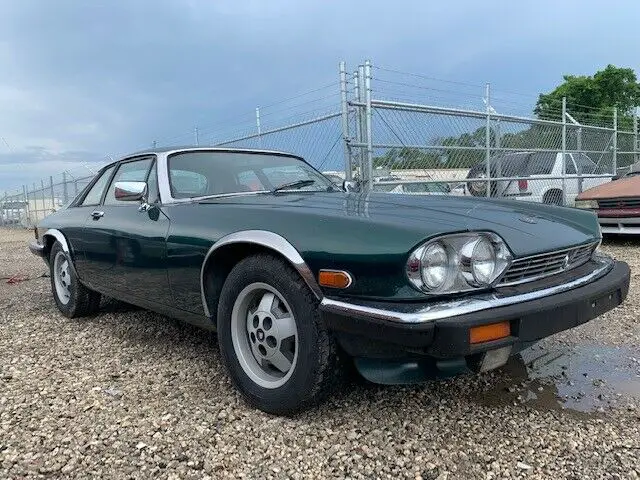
{"points": [[130, 191], [350, 186]]}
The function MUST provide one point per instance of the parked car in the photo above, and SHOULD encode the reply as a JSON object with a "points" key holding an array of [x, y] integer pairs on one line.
{"points": [[617, 204], [297, 278], [539, 177]]}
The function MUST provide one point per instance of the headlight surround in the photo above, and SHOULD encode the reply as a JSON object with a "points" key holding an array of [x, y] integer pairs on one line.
{"points": [[586, 204], [458, 262]]}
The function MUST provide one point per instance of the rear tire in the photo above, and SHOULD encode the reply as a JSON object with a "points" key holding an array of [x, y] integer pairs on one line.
{"points": [[273, 342], [72, 298]]}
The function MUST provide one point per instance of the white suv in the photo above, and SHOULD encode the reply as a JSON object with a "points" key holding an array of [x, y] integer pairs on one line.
{"points": [[539, 177]]}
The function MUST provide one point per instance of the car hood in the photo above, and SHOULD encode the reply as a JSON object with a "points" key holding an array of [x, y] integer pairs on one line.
{"points": [[527, 228], [623, 188]]}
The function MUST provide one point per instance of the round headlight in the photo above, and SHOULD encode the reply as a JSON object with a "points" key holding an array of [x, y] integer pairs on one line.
{"points": [[435, 266], [483, 262]]}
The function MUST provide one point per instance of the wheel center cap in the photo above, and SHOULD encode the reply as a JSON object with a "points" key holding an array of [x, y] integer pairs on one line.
{"points": [[260, 335]]}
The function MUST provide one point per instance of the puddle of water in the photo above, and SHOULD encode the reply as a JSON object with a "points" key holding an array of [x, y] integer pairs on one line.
{"points": [[582, 379]]}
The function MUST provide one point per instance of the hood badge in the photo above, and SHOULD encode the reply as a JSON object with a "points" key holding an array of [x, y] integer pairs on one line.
{"points": [[528, 219]]}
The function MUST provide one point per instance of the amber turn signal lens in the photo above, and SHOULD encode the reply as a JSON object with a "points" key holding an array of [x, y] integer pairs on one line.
{"points": [[486, 333], [334, 279]]}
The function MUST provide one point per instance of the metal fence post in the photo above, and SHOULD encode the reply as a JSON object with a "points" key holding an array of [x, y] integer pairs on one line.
{"points": [[53, 195], [44, 205], [345, 121], [196, 135], [564, 151], [635, 135], [65, 191], [258, 126], [3, 209], [358, 97], [579, 149], [487, 140], [369, 114], [615, 141], [25, 192]]}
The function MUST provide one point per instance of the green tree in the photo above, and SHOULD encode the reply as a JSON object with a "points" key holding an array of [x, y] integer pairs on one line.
{"points": [[591, 99]]}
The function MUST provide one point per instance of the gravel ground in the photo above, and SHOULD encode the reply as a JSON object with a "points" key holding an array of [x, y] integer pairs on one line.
{"points": [[130, 394]]}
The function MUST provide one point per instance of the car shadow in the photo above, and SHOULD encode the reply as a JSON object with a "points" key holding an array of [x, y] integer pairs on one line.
{"points": [[620, 240]]}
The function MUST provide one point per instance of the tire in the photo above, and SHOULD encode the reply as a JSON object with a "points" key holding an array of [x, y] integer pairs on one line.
{"points": [[72, 298], [553, 197], [263, 295]]}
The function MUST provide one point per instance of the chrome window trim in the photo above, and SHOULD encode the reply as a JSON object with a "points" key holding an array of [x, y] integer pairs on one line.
{"points": [[266, 239], [453, 308]]}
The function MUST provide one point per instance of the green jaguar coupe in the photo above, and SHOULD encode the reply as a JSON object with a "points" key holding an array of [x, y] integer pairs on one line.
{"points": [[297, 275]]}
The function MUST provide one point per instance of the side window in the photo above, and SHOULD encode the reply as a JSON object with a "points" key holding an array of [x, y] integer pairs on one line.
{"points": [[94, 195], [152, 185], [541, 163], [570, 167], [135, 171]]}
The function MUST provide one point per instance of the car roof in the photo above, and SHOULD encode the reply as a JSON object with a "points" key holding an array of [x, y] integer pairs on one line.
{"points": [[205, 147]]}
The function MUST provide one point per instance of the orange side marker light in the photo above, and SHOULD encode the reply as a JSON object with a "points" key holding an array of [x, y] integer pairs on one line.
{"points": [[487, 333], [334, 279]]}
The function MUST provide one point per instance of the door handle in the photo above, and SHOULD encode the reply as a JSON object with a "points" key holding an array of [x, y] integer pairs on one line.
{"points": [[97, 215]]}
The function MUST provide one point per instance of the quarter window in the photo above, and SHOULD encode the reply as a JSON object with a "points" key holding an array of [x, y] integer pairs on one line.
{"points": [[94, 195]]}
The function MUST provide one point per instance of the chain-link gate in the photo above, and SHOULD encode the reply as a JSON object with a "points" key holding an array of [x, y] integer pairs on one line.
{"points": [[413, 148]]}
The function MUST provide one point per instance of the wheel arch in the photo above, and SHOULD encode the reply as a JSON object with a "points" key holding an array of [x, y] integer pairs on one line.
{"points": [[51, 236], [230, 249]]}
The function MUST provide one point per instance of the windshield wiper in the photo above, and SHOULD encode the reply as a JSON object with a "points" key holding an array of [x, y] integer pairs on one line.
{"points": [[293, 185]]}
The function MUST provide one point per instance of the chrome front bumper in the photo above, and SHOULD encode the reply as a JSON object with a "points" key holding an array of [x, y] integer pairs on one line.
{"points": [[447, 309]]}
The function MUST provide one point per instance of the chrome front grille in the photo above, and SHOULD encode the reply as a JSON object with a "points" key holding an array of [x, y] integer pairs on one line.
{"points": [[619, 203], [538, 266]]}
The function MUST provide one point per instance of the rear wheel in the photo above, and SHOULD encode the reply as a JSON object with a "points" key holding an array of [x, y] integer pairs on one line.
{"points": [[72, 298], [273, 342]]}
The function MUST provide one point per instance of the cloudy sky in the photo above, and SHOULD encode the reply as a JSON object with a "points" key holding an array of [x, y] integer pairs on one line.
{"points": [[83, 80]]}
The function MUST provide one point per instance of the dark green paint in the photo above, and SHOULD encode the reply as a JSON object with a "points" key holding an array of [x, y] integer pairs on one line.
{"points": [[370, 235]]}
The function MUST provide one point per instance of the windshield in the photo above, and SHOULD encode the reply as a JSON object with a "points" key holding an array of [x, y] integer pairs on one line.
{"points": [[205, 173]]}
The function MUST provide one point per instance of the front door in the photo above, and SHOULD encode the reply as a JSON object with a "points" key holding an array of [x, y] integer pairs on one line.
{"points": [[128, 253]]}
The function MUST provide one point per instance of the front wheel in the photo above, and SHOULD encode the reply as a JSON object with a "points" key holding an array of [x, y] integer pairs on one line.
{"points": [[272, 340], [72, 298]]}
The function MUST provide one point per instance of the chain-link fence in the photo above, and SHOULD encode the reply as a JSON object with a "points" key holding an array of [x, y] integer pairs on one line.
{"points": [[420, 148], [397, 132], [34, 202]]}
